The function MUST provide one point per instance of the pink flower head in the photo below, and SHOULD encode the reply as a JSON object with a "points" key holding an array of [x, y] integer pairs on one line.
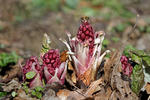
{"points": [[54, 70], [85, 49], [32, 64], [86, 34], [126, 66]]}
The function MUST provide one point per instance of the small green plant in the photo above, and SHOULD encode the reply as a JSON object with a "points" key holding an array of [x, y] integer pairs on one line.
{"points": [[37, 92], [25, 87], [8, 58], [2, 94]]}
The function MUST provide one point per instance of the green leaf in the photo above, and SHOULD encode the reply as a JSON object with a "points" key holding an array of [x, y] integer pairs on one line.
{"points": [[146, 61], [36, 94], [143, 56], [30, 74], [33, 92], [127, 50], [39, 95], [137, 79], [106, 42], [13, 94], [2, 94], [136, 58], [38, 89], [8, 58]]}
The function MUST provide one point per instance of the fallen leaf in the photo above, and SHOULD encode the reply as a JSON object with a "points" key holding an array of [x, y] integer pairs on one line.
{"points": [[12, 85], [110, 63], [86, 77], [71, 95], [93, 86], [121, 88], [63, 56], [73, 74], [50, 95], [103, 95], [63, 94]]}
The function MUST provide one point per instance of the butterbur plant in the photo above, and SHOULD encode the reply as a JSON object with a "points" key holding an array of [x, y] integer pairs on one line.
{"points": [[32, 72], [54, 69], [126, 66], [85, 49]]}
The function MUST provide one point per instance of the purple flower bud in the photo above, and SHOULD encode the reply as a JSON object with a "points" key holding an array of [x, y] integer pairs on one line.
{"points": [[126, 66], [33, 65], [54, 70]]}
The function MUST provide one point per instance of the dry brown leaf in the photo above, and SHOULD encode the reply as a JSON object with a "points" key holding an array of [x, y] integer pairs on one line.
{"points": [[110, 63], [49, 95], [112, 76], [63, 93], [147, 87], [121, 88], [103, 95], [63, 56], [73, 75], [12, 85], [93, 86], [70, 95], [86, 77]]}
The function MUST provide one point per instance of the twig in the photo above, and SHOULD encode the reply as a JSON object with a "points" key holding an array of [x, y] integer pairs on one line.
{"points": [[133, 29]]}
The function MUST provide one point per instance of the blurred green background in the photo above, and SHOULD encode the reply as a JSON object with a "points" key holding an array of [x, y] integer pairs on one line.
{"points": [[23, 22]]}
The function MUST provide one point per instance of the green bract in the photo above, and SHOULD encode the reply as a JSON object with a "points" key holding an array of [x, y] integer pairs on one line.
{"points": [[45, 44], [30, 74]]}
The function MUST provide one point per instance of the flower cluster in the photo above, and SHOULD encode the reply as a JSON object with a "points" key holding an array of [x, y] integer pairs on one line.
{"points": [[126, 66], [84, 51], [32, 65], [52, 69]]}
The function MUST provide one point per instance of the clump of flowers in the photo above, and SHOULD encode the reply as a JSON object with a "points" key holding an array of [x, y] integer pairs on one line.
{"points": [[126, 66], [50, 68], [84, 51], [54, 70], [85, 48], [32, 69]]}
